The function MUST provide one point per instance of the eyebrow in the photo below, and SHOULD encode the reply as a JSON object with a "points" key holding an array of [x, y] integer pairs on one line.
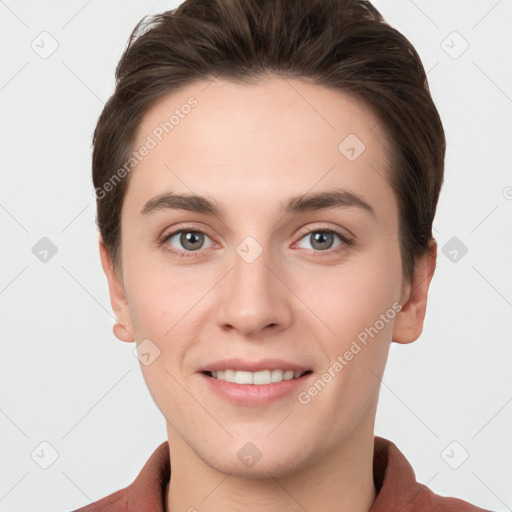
{"points": [[336, 198]]}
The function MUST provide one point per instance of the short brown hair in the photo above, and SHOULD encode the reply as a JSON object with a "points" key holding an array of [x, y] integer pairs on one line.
{"points": [[341, 44]]}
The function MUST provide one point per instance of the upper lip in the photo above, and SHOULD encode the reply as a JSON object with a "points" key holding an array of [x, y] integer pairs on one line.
{"points": [[253, 366]]}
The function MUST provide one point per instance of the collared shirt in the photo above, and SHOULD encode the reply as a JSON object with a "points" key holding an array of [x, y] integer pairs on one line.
{"points": [[394, 478]]}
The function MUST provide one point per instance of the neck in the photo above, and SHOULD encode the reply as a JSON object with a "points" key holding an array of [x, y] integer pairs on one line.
{"points": [[339, 479]]}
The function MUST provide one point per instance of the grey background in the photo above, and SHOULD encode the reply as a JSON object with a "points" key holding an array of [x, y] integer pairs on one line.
{"points": [[67, 381]]}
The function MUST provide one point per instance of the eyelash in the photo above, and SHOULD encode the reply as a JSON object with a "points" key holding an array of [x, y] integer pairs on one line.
{"points": [[346, 242]]}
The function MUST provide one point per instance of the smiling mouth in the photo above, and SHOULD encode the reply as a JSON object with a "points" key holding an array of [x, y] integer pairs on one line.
{"points": [[256, 378]]}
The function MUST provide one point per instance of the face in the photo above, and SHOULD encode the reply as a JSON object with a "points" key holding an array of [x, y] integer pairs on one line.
{"points": [[249, 275]]}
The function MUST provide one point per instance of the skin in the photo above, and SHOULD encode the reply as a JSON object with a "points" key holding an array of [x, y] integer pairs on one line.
{"points": [[250, 148]]}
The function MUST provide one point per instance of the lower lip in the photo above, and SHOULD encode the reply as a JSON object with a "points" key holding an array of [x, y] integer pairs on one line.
{"points": [[252, 394]]}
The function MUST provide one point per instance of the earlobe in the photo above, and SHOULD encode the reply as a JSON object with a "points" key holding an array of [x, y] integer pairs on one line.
{"points": [[123, 328], [409, 321], [121, 333]]}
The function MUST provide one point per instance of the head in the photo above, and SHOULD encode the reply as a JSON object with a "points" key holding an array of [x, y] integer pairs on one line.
{"points": [[249, 104]]}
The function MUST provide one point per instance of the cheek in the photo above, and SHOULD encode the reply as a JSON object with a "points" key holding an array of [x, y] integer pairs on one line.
{"points": [[158, 297], [351, 297], [168, 308]]}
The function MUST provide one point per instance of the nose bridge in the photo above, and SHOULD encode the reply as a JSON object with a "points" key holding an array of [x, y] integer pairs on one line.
{"points": [[251, 296]]}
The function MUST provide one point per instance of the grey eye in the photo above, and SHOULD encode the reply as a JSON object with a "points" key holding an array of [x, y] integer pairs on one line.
{"points": [[322, 240], [189, 240]]}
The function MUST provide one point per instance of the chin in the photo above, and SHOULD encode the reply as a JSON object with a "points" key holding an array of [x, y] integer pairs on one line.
{"points": [[261, 459], [262, 470]]}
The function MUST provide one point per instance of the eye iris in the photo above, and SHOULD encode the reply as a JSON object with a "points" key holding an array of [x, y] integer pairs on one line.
{"points": [[189, 237], [321, 236]]}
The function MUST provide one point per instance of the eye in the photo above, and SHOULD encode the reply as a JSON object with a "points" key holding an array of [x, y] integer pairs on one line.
{"points": [[322, 239], [190, 240]]}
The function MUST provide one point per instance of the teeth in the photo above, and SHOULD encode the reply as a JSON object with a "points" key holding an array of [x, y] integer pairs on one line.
{"points": [[258, 378]]}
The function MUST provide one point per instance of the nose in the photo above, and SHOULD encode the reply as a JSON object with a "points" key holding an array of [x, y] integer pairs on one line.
{"points": [[254, 296]]}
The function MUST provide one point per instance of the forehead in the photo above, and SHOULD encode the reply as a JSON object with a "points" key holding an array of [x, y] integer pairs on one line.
{"points": [[279, 137]]}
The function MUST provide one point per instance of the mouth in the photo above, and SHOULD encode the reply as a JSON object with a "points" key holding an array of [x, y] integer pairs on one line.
{"points": [[259, 378], [251, 383]]}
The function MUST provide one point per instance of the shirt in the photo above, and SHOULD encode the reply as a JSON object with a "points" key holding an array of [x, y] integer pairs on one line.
{"points": [[394, 478]]}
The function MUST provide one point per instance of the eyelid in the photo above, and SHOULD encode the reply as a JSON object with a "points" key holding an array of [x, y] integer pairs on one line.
{"points": [[324, 227], [183, 227]]}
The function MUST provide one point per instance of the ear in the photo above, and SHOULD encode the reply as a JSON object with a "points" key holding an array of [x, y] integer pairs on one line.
{"points": [[123, 330], [409, 321]]}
